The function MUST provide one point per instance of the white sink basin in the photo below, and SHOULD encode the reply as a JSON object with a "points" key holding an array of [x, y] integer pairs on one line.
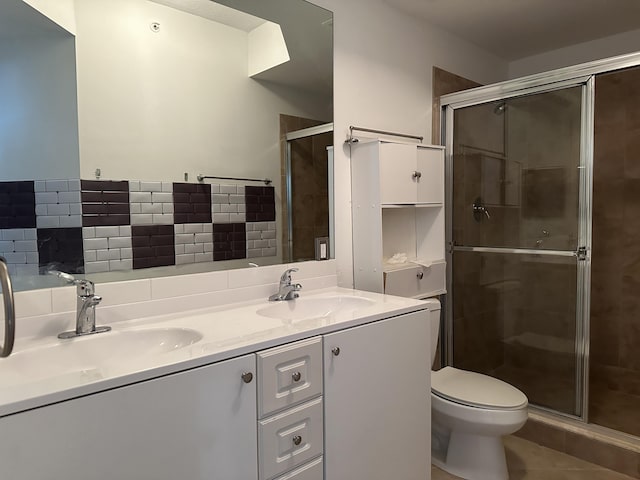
{"points": [[307, 308], [90, 353]]}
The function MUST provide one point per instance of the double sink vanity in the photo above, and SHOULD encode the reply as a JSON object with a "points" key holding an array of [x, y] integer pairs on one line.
{"points": [[330, 385]]}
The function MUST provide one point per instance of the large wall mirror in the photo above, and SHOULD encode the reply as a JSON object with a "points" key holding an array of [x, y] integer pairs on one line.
{"points": [[142, 138]]}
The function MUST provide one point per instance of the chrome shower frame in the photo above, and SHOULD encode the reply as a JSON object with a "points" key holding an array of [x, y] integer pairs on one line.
{"points": [[580, 75]]}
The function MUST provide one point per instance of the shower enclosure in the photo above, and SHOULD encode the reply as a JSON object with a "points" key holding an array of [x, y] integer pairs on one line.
{"points": [[544, 248]]}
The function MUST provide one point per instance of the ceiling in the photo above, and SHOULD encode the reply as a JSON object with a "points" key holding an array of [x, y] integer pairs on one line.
{"points": [[514, 29]]}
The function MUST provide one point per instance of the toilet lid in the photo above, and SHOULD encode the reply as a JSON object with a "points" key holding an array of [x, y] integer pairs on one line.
{"points": [[475, 389]]}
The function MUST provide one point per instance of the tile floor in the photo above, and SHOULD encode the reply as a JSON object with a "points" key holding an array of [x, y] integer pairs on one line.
{"points": [[530, 461]]}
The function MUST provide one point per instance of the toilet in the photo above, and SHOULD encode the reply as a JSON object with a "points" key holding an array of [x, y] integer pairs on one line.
{"points": [[470, 413]]}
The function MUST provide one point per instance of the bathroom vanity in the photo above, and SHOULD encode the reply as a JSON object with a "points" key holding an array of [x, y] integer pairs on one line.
{"points": [[328, 386]]}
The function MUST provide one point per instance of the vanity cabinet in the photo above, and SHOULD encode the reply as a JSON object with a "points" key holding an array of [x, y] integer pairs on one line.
{"points": [[398, 207], [195, 425], [377, 401], [352, 404]]}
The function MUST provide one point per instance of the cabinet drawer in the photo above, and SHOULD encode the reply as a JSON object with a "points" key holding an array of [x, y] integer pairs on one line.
{"points": [[416, 281], [289, 375], [290, 438], [311, 471]]}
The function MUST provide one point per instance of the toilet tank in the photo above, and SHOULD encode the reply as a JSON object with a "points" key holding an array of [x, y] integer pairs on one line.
{"points": [[434, 321]]}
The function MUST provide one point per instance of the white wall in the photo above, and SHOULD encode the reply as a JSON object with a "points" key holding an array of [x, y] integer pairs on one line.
{"points": [[60, 11], [383, 65], [38, 117], [628, 42], [155, 105]]}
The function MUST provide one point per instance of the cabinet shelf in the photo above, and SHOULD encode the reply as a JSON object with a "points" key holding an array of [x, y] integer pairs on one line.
{"points": [[398, 207]]}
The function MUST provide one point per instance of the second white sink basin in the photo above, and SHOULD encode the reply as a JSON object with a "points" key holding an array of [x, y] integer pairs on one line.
{"points": [[306, 308]]}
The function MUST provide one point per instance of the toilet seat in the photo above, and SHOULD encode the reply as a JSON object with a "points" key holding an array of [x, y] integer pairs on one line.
{"points": [[476, 390]]}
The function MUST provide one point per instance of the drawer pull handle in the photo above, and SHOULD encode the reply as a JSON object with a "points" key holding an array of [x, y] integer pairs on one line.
{"points": [[420, 275], [416, 175], [297, 440], [296, 376], [335, 351], [247, 377]]}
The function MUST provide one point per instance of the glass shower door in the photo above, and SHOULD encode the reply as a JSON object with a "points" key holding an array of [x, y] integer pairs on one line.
{"points": [[514, 306]]}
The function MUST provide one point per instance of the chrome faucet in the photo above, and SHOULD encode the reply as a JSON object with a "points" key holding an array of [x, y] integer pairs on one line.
{"points": [[86, 304], [286, 290]]}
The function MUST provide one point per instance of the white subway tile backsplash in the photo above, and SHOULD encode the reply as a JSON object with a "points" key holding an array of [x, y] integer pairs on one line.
{"points": [[115, 265], [96, 267], [193, 228], [58, 209], [268, 252], [167, 186], [18, 257], [237, 217], [90, 255], [151, 208], [140, 197], [41, 209], [228, 189], [134, 186], [88, 232], [163, 219], [39, 186], [162, 197], [194, 248], [125, 230], [141, 219], [69, 197], [179, 249], [221, 218], [120, 242], [204, 257], [74, 185], [30, 234], [25, 246], [135, 208], [107, 232], [13, 234], [151, 186], [70, 221], [203, 238], [167, 208], [48, 222], [185, 258], [126, 254], [33, 258], [236, 198], [46, 197], [57, 185], [95, 244]]}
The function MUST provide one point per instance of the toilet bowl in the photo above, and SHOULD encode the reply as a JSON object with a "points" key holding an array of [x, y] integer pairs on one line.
{"points": [[470, 413]]}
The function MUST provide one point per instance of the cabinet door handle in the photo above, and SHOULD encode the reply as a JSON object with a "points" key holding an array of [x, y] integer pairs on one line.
{"points": [[297, 440], [335, 351], [296, 376], [416, 175], [247, 377], [420, 275]]}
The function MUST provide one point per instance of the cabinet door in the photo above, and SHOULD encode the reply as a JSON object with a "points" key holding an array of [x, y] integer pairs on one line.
{"points": [[431, 181], [398, 185], [198, 424], [377, 401]]}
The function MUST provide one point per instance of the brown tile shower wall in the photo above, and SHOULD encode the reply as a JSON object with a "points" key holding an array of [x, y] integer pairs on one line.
{"points": [[91, 226], [615, 276]]}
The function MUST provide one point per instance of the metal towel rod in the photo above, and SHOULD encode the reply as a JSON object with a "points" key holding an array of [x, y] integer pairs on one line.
{"points": [[9, 309], [382, 132], [266, 181]]}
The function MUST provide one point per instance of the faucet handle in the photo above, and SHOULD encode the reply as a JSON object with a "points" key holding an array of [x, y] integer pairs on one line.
{"points": [[286, 276], [84, 287]]}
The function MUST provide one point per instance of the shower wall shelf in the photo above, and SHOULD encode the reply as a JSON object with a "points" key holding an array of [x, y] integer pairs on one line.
{"points": [[398, 207]]}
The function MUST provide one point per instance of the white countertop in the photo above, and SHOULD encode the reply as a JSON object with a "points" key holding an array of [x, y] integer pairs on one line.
{"points": [[46, 370]]}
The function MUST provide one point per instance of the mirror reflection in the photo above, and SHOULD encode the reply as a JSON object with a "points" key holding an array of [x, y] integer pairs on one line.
{"points": [[115, 108]]}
